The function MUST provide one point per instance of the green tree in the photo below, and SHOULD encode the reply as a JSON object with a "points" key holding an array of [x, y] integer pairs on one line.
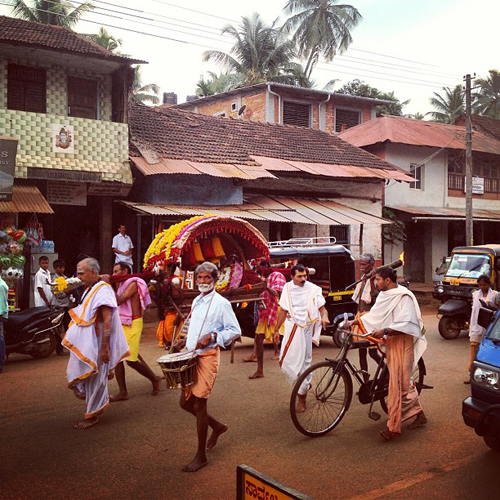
{"points": [[448, 107], [487, 101], [55, 12], [362, 89], [259, 54], [320, 27], [106, 39], [143, 93]]}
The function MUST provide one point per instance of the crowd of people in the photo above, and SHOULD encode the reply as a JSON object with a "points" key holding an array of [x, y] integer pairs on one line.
{"points": [[104, 324]]}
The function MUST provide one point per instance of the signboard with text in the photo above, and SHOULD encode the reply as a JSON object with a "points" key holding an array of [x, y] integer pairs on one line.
{"points": [[63, 175], [8, 151], [67, 193], [477, 185], [253, 485]]}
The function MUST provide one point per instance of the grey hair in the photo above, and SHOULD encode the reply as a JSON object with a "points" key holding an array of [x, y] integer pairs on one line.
{"points": [[369, 257], [208, 267], [92, 264]]}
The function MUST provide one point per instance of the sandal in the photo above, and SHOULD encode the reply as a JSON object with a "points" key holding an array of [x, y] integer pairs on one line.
{"points": [[388, 435]]}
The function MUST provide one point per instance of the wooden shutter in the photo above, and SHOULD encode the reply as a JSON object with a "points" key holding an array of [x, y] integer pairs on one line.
{"points": [[26, 88], [295, 113], [345, 118], [82, 97]]}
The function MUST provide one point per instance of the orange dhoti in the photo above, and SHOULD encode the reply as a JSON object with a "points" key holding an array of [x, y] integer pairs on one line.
{"points": [[166, 328], [207, 367], [403, 401]]}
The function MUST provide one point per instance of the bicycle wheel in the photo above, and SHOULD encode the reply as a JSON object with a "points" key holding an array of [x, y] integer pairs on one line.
{"points": [[327, 400], [417, 376]]}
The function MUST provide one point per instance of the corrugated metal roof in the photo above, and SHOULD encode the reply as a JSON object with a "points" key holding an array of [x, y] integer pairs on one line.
{"points": [[271, 208], [401, 130], [448, 213], [26, 199]]}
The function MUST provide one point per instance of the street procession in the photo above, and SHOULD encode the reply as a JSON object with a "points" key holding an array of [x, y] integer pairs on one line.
{"points": [[280, 288]]}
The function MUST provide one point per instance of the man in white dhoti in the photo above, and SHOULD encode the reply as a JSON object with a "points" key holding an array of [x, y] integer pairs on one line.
{"points": [[96, 342], [212, 325], [303, 307], [396, 316]]}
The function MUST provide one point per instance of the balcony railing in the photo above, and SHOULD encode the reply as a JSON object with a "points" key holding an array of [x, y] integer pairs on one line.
{"points": [[457, 181]]}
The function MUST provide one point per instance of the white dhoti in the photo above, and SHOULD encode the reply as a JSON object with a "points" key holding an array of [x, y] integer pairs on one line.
{"points": [[84, 340], [302, 328]]}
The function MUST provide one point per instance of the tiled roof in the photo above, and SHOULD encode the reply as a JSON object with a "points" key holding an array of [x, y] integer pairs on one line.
{"points": [[170, 133], [15, 31], [488, 126], [397, 129]]}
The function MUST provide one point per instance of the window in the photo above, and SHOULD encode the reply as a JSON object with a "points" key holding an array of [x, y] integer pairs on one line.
{"points": [[295, 113], [220, 113], [416, 172], [26, 88], [82, 97], [340, 233], [346, 118], [233, 106]]}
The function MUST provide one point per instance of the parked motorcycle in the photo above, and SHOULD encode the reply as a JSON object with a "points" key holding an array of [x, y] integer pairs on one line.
{"points": [[33, 331]]}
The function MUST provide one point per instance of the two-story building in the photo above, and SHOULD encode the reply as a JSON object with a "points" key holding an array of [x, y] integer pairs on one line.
{"points": [[289, 105], [433, 205], [286, 180], [65, 100]]}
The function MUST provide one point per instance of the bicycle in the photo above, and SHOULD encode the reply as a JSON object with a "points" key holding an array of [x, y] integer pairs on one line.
{"points": [[330, 388]]}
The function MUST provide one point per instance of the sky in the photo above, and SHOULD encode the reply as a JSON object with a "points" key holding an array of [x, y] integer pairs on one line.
{"points": [[411, 47]]}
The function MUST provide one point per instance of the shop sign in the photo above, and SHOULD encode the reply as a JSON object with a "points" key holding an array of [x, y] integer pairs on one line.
{"points": [[8, 151], [109, 189], [67, 193], [477, 185], [63, 175], [63, 138]]}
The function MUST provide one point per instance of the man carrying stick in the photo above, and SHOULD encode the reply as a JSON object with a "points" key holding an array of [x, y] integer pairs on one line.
{"points": [[213, 325]]}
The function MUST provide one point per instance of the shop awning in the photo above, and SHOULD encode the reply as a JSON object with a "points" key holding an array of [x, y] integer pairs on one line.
{"points": [[26, 199], [270, 208], [432, 213]]}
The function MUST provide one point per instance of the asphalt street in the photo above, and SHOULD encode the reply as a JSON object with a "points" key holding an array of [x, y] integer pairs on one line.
{"points": [[140, 445]]}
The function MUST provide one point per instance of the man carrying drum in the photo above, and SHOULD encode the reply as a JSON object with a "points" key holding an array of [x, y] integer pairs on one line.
{"points": [[212, 325]]}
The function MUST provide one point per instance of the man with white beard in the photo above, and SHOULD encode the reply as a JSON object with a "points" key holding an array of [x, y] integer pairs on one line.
{"points": [[212, 325]]}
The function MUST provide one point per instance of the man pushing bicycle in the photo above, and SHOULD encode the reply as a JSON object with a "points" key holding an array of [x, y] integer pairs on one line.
{"points": [[396, 316]]}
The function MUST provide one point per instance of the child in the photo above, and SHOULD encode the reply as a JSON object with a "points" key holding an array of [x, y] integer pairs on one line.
{"points": [[476, 332], [43, 294]]}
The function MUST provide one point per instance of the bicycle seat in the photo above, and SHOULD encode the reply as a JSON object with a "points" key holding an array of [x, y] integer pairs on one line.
{"points": [[361, 343]]}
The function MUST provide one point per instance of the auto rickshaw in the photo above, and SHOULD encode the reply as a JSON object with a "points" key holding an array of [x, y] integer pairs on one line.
{"points": [[460, 281], [334, 270]]}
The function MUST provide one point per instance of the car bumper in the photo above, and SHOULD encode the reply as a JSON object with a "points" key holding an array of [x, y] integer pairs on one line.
{"points": [[480, 415]]}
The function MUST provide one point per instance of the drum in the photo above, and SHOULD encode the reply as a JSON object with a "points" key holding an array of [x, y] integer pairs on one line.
{"points": [[178, 369]]}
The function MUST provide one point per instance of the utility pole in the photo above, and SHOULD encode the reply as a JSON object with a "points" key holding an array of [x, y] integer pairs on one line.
{"points": [[469, 221]]}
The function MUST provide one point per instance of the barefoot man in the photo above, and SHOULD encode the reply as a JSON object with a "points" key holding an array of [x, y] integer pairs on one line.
{"points": [[303, 305], [396, 315], [213, 325], [132, 296], [96, 342]]}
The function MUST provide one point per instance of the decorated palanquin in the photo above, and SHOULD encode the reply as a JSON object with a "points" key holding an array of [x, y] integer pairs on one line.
{"points": [[228, 242]]}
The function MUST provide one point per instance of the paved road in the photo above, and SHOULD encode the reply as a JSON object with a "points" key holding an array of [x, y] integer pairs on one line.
{"points": [[137, 449]]}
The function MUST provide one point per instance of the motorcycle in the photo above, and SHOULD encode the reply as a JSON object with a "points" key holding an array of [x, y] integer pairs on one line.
{"points": [[33, 331]]}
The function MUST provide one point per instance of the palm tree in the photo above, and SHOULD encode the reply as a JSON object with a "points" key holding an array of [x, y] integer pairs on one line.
{"points": [[488, 97], [448, 107], [320, 28], [144, 93], [216, 84], [260, 52], [106, 39], [55, 12]]}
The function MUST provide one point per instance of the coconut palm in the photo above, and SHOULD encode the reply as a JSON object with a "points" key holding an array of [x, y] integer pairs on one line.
{"points": [[487, 100], [106, 39], [144, 93], [216, 84], [55, 12], [320, 27], [260, 51], [448, 107]]}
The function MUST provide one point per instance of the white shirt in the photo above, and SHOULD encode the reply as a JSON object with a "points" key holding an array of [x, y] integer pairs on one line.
{"points": [[124, 244], [305, 302], [41, 278], [220, 319]]}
